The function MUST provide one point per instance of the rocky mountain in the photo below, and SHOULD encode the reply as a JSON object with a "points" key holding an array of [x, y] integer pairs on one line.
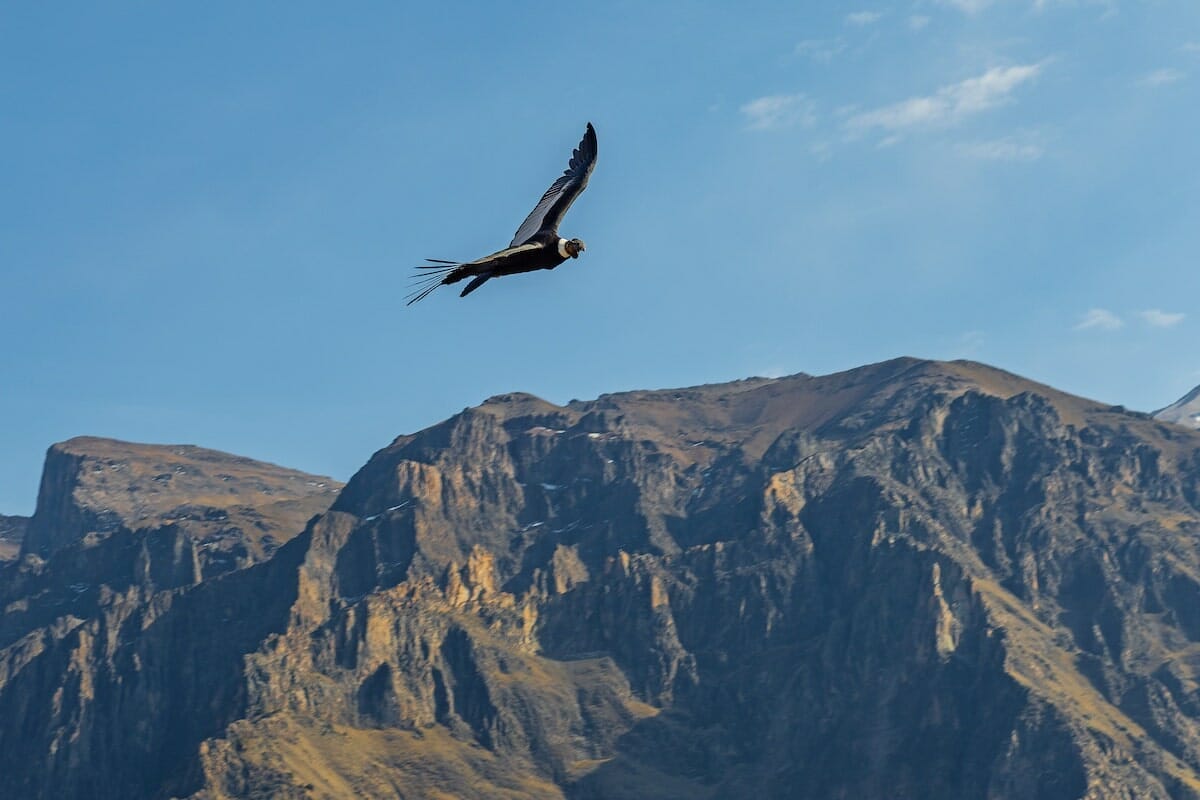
{"points": [[913, 579], [1184, 411], [236, 510], [12, 533], [100, 616]]}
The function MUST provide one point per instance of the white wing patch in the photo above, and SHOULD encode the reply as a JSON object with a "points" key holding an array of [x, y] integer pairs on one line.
{"points": [[508, 251]]}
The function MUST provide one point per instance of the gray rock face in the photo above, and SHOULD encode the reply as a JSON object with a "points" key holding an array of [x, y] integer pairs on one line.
{"points": [[914, 579], [1184, 411]]}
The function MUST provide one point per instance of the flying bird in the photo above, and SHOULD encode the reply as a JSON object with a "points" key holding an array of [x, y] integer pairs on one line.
{"points": [[536, 244]]}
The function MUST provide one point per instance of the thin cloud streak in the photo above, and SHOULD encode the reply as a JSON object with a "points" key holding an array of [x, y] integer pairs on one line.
{"points": [[967, 6], [1100, 319], [1005, 149], [822, 50], [1109, 6], [975, 6], [969, 344], [863, 17], [950, 103], [1161, 77], [1158, 318], [779, 111]]}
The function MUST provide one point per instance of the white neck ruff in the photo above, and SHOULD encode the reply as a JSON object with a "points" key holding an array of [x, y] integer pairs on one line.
{"points": [[562, 248]]}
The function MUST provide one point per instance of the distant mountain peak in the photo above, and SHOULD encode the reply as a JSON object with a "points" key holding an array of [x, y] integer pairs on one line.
{"points": [[92, 487], [1184, 411]]}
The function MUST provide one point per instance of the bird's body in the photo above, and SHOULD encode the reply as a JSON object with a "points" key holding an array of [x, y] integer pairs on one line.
{"points": [[542, 251], [536, 244]]}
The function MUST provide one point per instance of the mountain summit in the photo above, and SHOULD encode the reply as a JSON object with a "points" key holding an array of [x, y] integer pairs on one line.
{"points": [[912, 579], [1184, 411]]}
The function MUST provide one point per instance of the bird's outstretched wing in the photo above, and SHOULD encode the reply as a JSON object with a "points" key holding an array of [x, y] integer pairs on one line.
{"points": [[549, 211]]}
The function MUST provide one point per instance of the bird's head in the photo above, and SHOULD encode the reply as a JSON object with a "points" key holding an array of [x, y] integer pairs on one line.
{"points": [[574, 247]]}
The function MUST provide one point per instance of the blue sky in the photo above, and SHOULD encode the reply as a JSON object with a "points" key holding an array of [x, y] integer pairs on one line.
{"points": [[209, 214]]}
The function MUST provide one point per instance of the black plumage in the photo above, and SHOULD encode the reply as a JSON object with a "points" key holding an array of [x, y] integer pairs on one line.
{"points": [[536, 244]]}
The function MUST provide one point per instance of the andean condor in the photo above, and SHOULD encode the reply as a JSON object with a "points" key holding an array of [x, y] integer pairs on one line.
{"points": [[536, 244]]}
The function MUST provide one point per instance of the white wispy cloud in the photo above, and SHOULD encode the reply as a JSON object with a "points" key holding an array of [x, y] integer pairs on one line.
{"points": [[975, 6], [1100, 319], [917, 22], [1008, 148], [950, 103], [1161, 77], [1191, 47], [1109, 7], [967, 6], [968, 344], [1161, 319], [863, 17], [779, 111], [822, 50]]}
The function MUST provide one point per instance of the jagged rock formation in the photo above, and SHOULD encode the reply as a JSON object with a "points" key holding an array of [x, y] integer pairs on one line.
{"points": [[1184, 411], [12, 533], [915, 579]]}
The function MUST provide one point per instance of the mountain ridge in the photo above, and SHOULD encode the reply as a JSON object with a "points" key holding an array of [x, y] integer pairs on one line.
{"points": [[914, 578], [237, 508], [1184, 411]]}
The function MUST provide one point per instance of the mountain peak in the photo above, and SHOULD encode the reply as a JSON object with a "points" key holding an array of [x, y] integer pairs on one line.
{"points": [[913, 578], [93, 486], [1184, 411]]}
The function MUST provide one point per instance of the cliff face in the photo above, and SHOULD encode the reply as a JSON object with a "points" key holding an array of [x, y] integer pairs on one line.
{"points": [[914, 579], [120, 649], [236, 510]]}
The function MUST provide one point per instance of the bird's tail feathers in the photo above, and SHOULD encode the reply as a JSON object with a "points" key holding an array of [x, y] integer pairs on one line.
{"points": [[431, 276], [423, 289]]}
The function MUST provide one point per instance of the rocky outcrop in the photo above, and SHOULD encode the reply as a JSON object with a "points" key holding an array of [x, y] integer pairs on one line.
{"points": [[147, 574], [914, 579], [891, 582], [1184, 411], [236, 510]]}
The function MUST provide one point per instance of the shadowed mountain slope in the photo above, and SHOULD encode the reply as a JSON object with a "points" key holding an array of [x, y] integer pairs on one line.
{"points": [[912, 579], [12, 533]]}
